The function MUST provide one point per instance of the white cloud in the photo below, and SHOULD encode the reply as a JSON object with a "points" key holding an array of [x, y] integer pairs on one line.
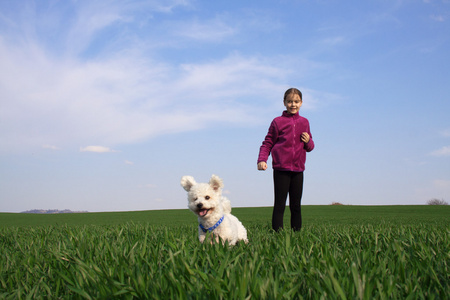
{"points": [[209, 31], [124, 99], [444, 151], [168, 6], [97, 149], [125, 95], [129, 162]]}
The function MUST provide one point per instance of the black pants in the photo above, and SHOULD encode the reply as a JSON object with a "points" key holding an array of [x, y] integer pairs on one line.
{"points": [[285, 183]]}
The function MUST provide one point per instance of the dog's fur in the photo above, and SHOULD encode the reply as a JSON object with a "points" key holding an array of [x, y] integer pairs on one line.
{"points": [[206, 201]]}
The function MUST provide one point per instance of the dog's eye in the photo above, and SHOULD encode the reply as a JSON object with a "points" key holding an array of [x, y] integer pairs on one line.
{"points": [[195, 199], [207, 197]]}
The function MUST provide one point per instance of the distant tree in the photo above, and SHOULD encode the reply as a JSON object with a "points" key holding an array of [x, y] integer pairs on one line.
{"points": [[336, 203], [52, 211], [436, 201]]}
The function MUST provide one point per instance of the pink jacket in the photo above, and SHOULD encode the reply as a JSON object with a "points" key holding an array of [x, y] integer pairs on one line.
{"points": [[283, 141]]}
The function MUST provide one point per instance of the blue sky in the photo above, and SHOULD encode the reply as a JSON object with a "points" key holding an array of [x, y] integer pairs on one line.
{"points": [[105, 105]]}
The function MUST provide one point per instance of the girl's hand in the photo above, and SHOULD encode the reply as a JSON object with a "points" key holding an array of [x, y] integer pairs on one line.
{"points": [[262, 166], [305, 137]]}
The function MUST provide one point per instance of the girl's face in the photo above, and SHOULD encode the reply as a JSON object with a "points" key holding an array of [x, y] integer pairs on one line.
{"points": [[293, 102]]}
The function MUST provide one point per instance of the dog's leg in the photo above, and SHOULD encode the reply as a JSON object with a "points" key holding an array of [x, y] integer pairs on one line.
{"points": [[201, 237]]}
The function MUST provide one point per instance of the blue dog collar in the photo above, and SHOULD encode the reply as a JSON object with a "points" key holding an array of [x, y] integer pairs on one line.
{"points": [[213, 227]]}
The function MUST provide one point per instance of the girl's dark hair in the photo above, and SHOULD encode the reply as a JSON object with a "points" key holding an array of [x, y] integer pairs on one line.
{"points": [[293, 91]]}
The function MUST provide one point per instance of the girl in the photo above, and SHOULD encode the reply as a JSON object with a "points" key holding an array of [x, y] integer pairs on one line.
{"points": [[288, 139]]}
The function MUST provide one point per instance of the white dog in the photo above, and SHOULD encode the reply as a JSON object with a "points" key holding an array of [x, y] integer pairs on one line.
{"points": [[213, 210]]}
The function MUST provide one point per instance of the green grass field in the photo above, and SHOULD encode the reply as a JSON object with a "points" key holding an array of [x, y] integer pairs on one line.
{"points": [[342, 252]]}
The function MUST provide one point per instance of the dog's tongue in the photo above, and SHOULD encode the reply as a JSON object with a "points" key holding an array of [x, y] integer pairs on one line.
{"points": [[202, 212]]}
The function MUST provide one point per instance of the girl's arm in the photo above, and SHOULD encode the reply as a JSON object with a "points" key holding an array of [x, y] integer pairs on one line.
{"points": [[308, 141], [266, 147]]}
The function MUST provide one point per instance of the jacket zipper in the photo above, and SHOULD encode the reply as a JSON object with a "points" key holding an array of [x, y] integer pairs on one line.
{"points": [[293, 147]]}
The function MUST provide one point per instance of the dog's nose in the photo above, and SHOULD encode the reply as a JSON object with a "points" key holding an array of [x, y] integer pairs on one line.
{"points": [[199, 205]]}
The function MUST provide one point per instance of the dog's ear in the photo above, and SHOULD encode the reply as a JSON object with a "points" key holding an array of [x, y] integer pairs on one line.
{"points": [[215, 182], [187, 182]]}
